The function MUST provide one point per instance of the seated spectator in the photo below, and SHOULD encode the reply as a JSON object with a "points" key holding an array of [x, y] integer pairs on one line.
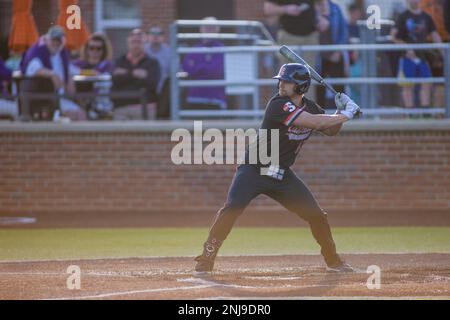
{"points": [[157, 48], [13, 62], [332, 64], [95, 60], [414, 26], [48, 58], [133, 71], [8, 108], [206, 66], [96, 56]]}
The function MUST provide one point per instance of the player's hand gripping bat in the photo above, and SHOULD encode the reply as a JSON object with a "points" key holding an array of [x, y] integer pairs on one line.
{"points": [[293, 57]]}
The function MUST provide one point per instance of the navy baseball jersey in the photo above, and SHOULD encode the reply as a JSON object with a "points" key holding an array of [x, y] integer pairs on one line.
{"points": [[280, 114]]}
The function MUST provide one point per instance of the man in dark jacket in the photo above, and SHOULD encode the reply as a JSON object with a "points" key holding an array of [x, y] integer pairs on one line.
{"points": [[133, 71]]}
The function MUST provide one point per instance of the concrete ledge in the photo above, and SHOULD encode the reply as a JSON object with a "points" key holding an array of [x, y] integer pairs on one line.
{"points": [[169, 126]]}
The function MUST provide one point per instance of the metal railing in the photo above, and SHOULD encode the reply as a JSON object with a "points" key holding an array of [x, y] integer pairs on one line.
{"points": [[369, 80], [252, 33], [25, 99]]}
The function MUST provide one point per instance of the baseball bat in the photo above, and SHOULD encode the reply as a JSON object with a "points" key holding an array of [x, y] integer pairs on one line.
{"points": [[293, 57], [286, 52]]}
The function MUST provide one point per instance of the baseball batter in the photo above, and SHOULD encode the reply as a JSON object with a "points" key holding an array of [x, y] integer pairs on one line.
{"points": [[296, 117]]}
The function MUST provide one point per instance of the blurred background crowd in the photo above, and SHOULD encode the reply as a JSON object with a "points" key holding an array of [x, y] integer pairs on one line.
{"points": [[97, 77]]}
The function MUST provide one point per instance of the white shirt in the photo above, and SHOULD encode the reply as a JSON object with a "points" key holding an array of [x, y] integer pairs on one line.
{"points": [[57, 66]]}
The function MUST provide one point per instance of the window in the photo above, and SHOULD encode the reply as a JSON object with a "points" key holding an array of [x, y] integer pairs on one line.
{"points": [[117, 18]]}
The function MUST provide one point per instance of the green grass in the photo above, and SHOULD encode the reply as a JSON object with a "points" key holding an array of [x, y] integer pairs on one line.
{"points": [[40, 244]]}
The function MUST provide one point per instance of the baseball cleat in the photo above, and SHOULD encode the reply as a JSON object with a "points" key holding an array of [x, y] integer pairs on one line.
{"points": [[341, 267], [204, 267]]}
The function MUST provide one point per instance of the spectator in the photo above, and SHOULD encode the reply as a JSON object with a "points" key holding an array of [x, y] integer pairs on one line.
{"points": [[133, 71], [48, 58], [157, 48], [446, 10], [8, 108], [414, 26], [355, 14], [299, 25], [95, 60], [435, 8], [96, 56], [206, 66], [332, 64], [13, 62]]}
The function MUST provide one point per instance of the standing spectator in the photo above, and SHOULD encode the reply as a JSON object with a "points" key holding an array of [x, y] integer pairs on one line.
{"points": [[133, 71], [414, 26], [206, 66], [95, 60], [355, 14], [159, 50], [8, 108], [299, 26], [446, 11], [48, 58], [332, 64], [435, 8]]}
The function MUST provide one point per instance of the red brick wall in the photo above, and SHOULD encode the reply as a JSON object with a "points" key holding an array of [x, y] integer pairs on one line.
{"points": [[55, 171], [155, 12], [249, 10]]}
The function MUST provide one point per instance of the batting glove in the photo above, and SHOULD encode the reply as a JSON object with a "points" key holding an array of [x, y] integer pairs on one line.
{"points": [[341, 100]]}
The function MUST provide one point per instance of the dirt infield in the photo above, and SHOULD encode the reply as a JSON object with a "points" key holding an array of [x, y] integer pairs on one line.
{"points": [[413, 276]]}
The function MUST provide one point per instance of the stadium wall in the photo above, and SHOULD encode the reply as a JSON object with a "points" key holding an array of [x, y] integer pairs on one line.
{"points": [[127, 167]]}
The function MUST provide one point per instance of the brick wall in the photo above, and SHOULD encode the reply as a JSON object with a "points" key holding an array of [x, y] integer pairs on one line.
{"points": [[249, 10], [87, 170], [161, 13]]}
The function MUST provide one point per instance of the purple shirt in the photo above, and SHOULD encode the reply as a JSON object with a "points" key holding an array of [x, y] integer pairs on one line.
{"points": [[104, 66], [206, 66], [39, 50], [5, 76]]}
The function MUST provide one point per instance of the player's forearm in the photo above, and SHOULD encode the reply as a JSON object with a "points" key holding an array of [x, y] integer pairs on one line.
{"points": [[334, 122], [333, 130]]}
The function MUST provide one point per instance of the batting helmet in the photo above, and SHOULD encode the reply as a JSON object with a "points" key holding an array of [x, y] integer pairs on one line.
{"points": [[296, 73]]}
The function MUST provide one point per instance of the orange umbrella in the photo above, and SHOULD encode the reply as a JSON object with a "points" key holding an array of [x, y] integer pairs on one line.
{"points": [[23, 27], [75, 38]]}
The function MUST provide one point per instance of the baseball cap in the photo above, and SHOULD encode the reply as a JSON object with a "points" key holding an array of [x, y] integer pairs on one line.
{"points": [[56, 33], [157, 31]]}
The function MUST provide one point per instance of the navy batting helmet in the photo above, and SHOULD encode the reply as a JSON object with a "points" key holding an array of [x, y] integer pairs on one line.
{"points": [[296, 73]]}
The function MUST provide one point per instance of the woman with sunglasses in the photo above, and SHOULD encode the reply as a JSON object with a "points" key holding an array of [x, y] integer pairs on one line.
{"points": [[96, 56], [96, 60]]}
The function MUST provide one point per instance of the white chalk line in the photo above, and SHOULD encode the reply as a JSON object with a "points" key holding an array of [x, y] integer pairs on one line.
{"points": [[126, 293], [11, 221], [204, 284]]}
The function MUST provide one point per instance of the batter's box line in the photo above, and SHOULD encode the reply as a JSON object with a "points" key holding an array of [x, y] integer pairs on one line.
{"points": [[126, 293]]}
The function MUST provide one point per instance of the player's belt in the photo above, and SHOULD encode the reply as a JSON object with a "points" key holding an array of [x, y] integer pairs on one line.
{"points": [[275, 172]]}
